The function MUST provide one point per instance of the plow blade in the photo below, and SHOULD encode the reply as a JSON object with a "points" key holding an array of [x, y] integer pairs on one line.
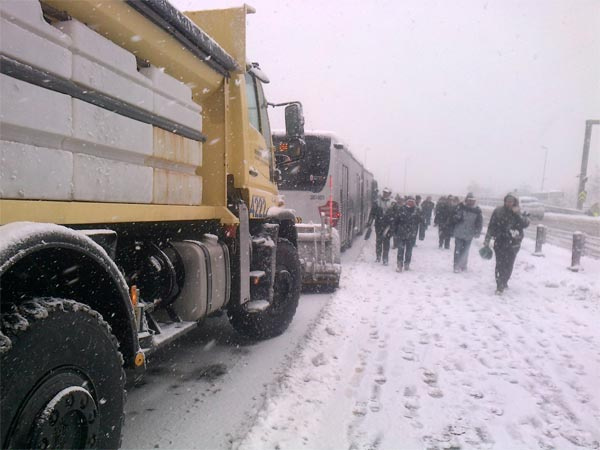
{"points": [[319, 252]]}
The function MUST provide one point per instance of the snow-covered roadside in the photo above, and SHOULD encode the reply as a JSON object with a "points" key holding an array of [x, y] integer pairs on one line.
{"points": [[433, 359]]}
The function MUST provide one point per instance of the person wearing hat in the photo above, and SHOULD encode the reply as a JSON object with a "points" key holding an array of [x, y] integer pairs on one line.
{"points": [[406, 226], [382, 215], [506, 228], [468, 221]]}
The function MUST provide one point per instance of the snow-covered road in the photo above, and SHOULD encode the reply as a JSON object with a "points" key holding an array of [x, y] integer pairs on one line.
{"points": [[433, 359]]}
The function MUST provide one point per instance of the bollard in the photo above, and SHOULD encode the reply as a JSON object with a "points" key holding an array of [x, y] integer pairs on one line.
{"points": [[578, 245], [540, 238]]}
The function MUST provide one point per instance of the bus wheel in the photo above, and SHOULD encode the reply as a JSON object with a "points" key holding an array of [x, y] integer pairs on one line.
{"points": [[62, 377], [275, 319]]}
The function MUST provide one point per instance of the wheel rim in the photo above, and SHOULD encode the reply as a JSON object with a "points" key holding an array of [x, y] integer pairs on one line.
{"points": [[58, 413]]}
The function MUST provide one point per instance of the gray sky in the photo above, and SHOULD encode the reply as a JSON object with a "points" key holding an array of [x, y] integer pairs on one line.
{"points": [[463, 90]]}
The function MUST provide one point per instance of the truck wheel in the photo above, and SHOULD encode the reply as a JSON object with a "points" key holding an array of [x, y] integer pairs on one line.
{"points": [[277, 317], [62, 377]]}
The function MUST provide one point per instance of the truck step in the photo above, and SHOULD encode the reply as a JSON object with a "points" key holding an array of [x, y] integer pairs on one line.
{"points": [[168, 333]]}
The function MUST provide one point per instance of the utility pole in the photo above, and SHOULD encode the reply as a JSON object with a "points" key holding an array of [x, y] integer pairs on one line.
{"points": [[581, 193], [544, 170]]}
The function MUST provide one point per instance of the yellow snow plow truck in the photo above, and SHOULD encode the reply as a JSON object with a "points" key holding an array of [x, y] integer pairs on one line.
{"points": [[137, 197]]}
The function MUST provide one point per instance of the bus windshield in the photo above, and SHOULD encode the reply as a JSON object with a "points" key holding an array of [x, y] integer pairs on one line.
{"points": [[308, 173]]}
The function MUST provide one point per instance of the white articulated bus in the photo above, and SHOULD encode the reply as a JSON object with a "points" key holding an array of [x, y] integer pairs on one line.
{"points": [[326, 169]]}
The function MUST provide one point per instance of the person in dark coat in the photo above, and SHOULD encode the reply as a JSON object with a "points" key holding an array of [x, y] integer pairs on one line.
{"points": [[396, 205], [468, 221], [406, 225], [427, 208], [382, 215], [506, 228], [421, 230], [443, 217]]}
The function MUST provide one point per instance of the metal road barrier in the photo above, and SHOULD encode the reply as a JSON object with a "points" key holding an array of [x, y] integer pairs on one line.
{"points": [[559, 237], [577, 250], [540, 239]]}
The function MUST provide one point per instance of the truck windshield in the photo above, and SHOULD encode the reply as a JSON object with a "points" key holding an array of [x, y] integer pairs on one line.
{"points": [[308, 173]]}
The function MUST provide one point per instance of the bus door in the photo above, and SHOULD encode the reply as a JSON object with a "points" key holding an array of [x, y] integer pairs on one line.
{"points": [[362, 202], [345, 203]]}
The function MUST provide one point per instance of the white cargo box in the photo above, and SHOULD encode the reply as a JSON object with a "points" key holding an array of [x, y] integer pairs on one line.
{"points": [[28, 172], [100, 64], [105, 180], [27, 37], [173, 99], [101, 130], [33, 115], [176, 188]]}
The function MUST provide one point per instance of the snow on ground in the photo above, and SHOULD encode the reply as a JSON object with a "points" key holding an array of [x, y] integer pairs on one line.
{"points": [[433, 359]]}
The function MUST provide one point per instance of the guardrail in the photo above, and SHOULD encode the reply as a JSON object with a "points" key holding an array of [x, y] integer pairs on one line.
{"points": [[490, 201], [560, 238]]}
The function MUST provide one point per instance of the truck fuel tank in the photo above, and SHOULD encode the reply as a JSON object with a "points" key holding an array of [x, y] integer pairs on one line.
{"points": [[207, 279]]}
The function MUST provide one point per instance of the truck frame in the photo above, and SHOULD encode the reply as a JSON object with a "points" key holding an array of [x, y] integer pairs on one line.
{"points": [[137, 197]]}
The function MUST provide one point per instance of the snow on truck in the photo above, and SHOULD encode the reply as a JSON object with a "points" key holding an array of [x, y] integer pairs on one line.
{"points": [[331, 192], [137, 196]]}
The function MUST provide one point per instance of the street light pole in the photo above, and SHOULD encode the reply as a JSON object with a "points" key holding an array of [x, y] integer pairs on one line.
{"points": [[544, 170], [581, 193]]}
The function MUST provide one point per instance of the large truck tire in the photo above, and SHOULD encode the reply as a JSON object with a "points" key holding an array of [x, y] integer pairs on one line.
{"points": [[62, 377], [275, 319]]}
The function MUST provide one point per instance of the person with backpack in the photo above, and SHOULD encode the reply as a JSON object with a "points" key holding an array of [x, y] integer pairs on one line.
{"points": [[506, 228], [468, 221]]}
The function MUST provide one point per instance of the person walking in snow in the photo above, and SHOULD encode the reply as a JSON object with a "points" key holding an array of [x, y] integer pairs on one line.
{"points": [[397, 203], [421, 230], [506, 228], [382, 215], [443, 216], [468, 221], [426, 209], [405, 227]]}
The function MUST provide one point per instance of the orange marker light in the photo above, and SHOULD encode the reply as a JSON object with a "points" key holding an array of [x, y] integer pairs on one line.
{"points": [[133, 292], [139, 359]]}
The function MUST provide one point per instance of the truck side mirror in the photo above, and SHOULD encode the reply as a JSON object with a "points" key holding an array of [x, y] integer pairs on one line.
{"points": [[294, 121]]}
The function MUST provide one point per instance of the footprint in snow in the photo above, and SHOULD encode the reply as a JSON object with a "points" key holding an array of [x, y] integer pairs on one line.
{"points": [[410, 391], [374, 403], [476, 394], [435, 393], [430, 377], [360, 409], [408, 356]]}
